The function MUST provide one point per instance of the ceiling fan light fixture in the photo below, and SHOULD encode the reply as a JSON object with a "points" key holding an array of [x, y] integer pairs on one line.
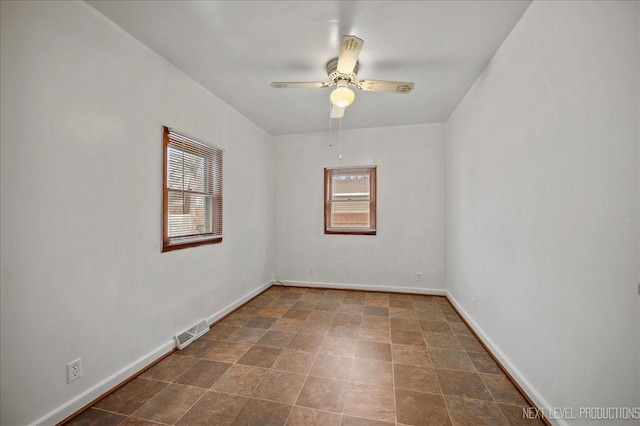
{"points": [[342, 96]]}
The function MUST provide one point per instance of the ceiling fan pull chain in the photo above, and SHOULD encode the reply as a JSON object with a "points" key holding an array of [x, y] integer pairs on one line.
{"points": [[340, 138], [330, 136]]}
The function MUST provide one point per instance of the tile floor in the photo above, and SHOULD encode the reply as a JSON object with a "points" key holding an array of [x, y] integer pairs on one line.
{"points": [[299, 356]]}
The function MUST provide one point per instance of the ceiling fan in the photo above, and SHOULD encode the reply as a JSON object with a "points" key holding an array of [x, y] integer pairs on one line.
{"points": [[343, 72]]}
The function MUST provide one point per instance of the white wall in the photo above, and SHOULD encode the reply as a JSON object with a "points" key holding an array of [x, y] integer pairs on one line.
{"points": [[410, 209], [82, 273], [543, 206]]}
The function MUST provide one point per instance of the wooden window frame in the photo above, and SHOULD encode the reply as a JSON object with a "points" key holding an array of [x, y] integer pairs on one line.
{"points": [[328, 174], [182, 242]]}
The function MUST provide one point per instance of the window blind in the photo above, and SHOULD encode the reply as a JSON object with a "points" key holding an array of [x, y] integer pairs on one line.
{"points": [[350, 200], [192, 191]]}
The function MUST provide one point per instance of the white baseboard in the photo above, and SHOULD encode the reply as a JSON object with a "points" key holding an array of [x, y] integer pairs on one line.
{"points": [[506, 363], [232, 306], [65, 410], [345, 286]]}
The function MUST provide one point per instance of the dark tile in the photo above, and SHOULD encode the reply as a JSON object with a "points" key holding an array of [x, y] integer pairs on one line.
{"points": [[411, 324], [351, 309], [502, 389], [484, 363], [372, 372], [240, 380], [452, 317], [203, 374], [400, 296], [435, 327], [410, 355], [300, 314], [290, 325], [260, 412], [315, 327], [170, 404], [381, 311], [132, 421], [417, 408], [375, 334], [131, 396], [370, 401], [460, 328], [404, 304], [373, 350], [402, 313], [359, 421], [214, 408], [295, 361], [275, 339], [344, 330], [246, 335], [377, 299], [425, 303], [290, 295], [442, 341], [332, 366], [306, 342], [452, 360], [446, 307], [462, 383], [302, 416], [283, 303], [405, 337], [355, 294], [373, 321], [280, 386], [465, 411], [411, 377], [470, 344], [93, 417], [273, 311], [430, 315], [236, 319], [323, 316], [260, 322], [260, 356], [198, 348], [328, 307], [347, 319], [520, 416], [323, 394], [220, 332], [305, 305], [339, 346], [169, 368], [249, 310], [227, 352]]}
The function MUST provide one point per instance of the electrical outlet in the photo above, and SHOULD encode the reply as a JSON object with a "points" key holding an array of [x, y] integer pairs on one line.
{"points": [[310, 269], [74, 370], [418, 276]]}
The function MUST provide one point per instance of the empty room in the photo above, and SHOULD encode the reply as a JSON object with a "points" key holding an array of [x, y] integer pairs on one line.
{"points": [[320, 213]]}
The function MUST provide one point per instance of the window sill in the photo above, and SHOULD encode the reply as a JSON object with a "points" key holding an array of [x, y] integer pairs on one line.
{"points": [[349, 231], [186, 242]]}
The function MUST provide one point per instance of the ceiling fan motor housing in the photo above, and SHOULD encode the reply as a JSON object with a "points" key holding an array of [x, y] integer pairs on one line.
{"points": [[335, 76]]}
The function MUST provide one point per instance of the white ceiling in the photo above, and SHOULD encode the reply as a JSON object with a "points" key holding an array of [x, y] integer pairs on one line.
{"points": [[235, 49]]}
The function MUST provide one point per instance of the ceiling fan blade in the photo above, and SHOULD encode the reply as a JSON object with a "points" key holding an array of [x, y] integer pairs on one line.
{"points": [[337, 112], [385, 86], [300, 85], [350, 48]]}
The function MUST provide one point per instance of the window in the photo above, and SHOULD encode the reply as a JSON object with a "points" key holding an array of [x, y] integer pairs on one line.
{"points": [[192, 196], [350, 201]]}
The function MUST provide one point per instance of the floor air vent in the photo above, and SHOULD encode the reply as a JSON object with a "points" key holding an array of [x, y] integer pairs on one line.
{"points": [[186, 337]]}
